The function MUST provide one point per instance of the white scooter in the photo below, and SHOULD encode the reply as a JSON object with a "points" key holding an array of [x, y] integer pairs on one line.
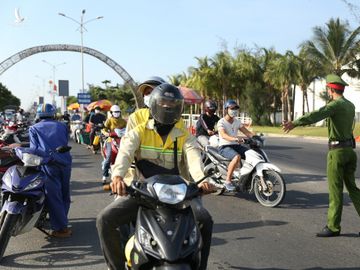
{"points": [[256, 175]]}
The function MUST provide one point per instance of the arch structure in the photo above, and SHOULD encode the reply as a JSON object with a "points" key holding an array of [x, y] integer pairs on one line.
{"points": [[12, 60]]}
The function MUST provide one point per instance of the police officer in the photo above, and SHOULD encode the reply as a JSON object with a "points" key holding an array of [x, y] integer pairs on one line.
{"points": [[341, 158]]}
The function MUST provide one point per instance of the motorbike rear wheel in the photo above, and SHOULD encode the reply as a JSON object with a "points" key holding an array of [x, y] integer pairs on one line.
{"points": [[7, 226], [275, 193]]}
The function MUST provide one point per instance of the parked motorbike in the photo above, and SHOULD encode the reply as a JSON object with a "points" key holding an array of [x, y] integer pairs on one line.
{"points": [[116, 136], [166, 234], [8, 158], [23, 194], [257, 175]]}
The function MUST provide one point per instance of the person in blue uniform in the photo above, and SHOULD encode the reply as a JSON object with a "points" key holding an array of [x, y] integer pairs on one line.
{"points": [[47, 135]]}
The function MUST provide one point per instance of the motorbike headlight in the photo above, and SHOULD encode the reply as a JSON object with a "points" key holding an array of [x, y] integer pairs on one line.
{"points": [[33, 184], [31, 160], [193, 236], [145, 238], [7, 179], [171, 194]]}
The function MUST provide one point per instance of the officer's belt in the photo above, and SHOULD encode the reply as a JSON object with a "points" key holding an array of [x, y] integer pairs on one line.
{"points": [[341, 144]]}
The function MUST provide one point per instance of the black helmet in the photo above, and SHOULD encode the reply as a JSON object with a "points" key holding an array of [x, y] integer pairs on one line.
{"points": [[150, 82], [166, 104], [210, 105]]}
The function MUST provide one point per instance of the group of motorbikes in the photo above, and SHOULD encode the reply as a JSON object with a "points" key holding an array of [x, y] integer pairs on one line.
{"points": [[166, 235], [22, 197]]}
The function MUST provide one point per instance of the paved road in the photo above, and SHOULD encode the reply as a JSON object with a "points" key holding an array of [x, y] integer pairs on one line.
{"points": [[246, 234]]}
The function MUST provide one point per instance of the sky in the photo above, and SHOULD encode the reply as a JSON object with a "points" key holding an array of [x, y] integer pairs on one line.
{"points": [[147, 37]]}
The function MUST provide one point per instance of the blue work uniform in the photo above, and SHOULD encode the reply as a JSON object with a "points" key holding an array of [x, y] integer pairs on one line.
{"points": [[47, 135]]}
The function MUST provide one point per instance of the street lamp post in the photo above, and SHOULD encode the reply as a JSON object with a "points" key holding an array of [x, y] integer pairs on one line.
{"points": [[54, 82], [81, 29], [43, 91]]}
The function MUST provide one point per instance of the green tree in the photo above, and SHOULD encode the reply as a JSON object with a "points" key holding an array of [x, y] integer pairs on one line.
{"points": [[282, 73], [7, 98], [334, 47], [178, 79], [119, 94], [220, 75], [308, 72], [106, 83], [199, 77], [71, 100]]}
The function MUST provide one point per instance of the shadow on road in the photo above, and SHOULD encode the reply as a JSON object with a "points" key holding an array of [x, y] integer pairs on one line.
{"points": [[86, 188], [82, 249], [81, 165], [281, 147], [228, 227], [300, 178], [304, 200]]}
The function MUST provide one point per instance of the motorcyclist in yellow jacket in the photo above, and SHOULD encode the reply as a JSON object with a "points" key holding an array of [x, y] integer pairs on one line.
{"points": [[153, 142], [115, 121]]}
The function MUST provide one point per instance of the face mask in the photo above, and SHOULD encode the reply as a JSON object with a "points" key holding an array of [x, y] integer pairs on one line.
{"points": [[147, 101], [97, 111], [233, 113], [163, 129], [116, 114]]}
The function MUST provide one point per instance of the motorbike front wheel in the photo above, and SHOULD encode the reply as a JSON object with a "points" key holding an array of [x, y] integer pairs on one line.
{"points": [[275, 192], [7, 226]]}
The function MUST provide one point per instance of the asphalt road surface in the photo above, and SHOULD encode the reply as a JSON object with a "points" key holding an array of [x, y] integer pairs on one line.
{"points": [[246, 235]]}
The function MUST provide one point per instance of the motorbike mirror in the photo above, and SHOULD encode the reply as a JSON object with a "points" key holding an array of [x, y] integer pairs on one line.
{"points": [[63, 149]]}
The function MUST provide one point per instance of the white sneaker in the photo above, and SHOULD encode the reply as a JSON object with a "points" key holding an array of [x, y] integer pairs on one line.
{"points": [[104, 179], [229, 186]]}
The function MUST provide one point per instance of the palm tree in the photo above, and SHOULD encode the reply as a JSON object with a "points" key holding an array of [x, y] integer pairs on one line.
{"points": [[333, 47], [106, 82], [308, 72], [266, 57], [177, 79], [282, 72], [246, 70], [221, 73], [199, 76]]}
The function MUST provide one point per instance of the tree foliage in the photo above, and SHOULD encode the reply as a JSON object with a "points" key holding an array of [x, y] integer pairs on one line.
{"points": [[7, 98], [263, 81]]}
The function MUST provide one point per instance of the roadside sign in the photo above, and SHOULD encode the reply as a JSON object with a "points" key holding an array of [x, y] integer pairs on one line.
{"points": [[84, 98]]}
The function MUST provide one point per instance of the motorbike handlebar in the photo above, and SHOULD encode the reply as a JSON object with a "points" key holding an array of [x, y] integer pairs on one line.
{"points": [[255, 141], [131, 190]]}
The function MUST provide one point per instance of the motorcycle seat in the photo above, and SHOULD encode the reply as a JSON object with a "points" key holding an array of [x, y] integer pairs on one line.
{"points": [[215, 152]]}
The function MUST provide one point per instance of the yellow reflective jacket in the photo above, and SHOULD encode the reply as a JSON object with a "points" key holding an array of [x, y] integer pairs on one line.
{"points": [[112, 123], [143, 142]]}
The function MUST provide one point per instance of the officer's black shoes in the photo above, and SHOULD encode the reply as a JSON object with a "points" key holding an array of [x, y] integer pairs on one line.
{"points": [[326, 232]]}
